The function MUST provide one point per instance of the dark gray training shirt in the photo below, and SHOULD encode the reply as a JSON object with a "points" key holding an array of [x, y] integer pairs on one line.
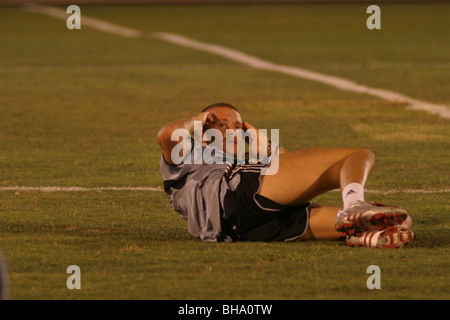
{"points": [[195, 191]]}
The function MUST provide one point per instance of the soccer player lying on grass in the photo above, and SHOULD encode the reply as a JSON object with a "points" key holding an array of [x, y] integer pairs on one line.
{"points": [[226, 199]]}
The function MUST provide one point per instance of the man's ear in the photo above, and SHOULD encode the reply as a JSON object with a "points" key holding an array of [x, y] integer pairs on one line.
{"points": [[204, 142]]}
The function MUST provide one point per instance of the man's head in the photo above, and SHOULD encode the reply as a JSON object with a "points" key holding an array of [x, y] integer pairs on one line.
{"points": [[223, 116], [220, 104]]}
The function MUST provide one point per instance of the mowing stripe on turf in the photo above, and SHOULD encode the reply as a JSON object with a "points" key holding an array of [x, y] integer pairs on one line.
{"points": [[159, 189], [251, 61]]}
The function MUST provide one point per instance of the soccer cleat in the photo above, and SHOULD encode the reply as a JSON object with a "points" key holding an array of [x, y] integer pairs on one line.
{"points": [[389, 238], [362, 216]]}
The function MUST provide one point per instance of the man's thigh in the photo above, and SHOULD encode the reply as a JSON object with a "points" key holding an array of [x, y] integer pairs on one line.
{"points": [[304, 174]]}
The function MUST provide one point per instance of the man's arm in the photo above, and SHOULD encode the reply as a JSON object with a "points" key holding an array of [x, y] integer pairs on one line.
{"points": [[247, 125], [164, 135]]}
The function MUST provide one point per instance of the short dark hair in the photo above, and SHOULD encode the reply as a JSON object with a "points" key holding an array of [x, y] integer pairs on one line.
{"points": [[221, 104]]}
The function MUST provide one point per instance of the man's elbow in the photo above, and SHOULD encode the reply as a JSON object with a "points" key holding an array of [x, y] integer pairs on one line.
{"points": [[164, 135]]}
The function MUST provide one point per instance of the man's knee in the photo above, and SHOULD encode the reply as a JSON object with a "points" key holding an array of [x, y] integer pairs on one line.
{"points": [[368, 154]]}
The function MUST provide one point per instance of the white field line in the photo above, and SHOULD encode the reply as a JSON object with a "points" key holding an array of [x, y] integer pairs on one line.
{"points": [[159, 189], [340, 83], [251, 61], [419, 191], [79, 189], [85, 21]]}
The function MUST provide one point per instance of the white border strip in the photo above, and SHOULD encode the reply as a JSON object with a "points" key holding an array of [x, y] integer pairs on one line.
{"points": [[159, 189], [251, 61], [79, 189]]}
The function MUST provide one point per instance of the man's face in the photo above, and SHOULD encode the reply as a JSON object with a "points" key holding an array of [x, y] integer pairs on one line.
{"points": [[223, 118]]}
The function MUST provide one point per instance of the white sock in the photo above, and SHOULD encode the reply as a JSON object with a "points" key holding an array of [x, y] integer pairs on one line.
{"points": [[352, 193]]}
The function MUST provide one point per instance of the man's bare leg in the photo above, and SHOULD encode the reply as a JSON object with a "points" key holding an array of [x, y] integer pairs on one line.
{"points": [[321, 224], [305, 174]]}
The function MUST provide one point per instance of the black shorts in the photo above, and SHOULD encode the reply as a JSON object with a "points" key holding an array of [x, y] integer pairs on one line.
{"points": [[248, 216]]}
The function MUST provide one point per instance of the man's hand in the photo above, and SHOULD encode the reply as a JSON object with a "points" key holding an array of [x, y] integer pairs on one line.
{"points": [[258, 141], [259, 136], [164, 135], [203, 117]]}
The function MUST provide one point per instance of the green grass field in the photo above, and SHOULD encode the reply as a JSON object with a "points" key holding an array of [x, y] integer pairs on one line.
{"points": [[82, 108]]}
